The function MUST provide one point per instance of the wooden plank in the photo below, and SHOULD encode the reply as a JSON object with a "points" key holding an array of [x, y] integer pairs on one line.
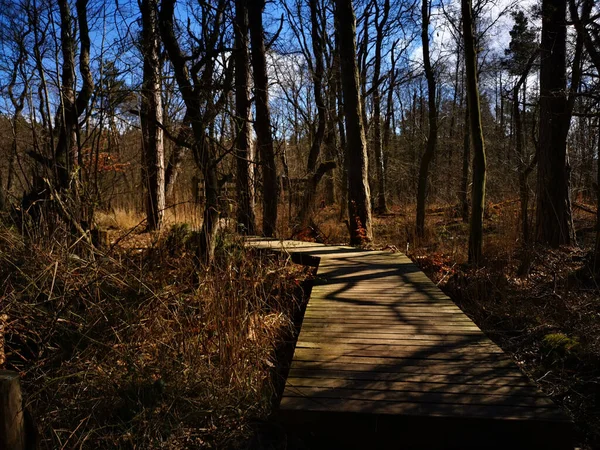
{"points": [[421, 409], [374, 306], [471, 379], [328, 315], [399, 309], [370, 321], [383, 351], [440, 369], [438, 398], [370, 337], [399, 361], [437, 344], [401, 386], [391, 327], [415, 346], [398, 313]]}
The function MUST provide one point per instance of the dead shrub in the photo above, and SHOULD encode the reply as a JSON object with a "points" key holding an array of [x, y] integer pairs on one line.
{"points": [[143, 349]]}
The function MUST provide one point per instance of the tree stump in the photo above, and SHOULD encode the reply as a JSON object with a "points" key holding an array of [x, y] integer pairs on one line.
{"points": [[12, 419]]}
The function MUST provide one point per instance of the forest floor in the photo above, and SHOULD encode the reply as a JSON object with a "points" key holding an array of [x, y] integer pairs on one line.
{"points": [[138, 347]]}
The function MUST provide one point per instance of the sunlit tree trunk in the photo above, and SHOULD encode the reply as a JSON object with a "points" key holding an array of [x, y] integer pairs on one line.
{"points": [[359, 203], [151, 116], [245, 192]]}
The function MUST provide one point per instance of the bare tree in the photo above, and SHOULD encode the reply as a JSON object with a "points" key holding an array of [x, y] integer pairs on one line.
{"points": [[245, 190], [151, 115], [315, 173], [479, 164], [203, 98], [67, 156], [262, 124]]}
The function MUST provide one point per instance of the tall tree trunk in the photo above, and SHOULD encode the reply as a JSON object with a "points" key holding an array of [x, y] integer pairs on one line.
{"points": [[553, 215], [433, 128], [388, 127], [478, 189], [245, 208], [263, 117], [466, 163], [381, 204], [359, 204], [152, 113], [523, 188], [341, 124]]}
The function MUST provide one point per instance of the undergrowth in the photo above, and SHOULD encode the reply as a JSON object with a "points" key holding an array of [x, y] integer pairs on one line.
{"points": [[144, 349]]}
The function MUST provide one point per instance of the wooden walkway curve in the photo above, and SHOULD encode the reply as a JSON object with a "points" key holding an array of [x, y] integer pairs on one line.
{"points": [[385, 359]]}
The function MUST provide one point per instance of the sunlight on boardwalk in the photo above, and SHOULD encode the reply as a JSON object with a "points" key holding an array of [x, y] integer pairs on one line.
{"points": [[382, 349]]}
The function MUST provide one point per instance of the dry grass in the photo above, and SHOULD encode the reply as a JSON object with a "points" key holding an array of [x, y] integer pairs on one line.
{"points": [[127, 219], [143, 349], [119, 219]]}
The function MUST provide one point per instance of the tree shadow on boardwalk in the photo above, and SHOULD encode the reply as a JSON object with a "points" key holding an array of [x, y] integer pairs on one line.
{"points": [[386, 360]]}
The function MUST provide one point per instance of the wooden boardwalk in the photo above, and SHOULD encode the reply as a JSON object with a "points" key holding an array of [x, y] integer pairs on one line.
{"points": [[384, 359]]}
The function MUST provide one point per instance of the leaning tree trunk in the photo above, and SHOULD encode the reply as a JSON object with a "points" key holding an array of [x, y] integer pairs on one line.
{"points": [[262, 124], [553, 214], [432, 137], [151, 115], [243, 150], [359, 203], [478, 189]]}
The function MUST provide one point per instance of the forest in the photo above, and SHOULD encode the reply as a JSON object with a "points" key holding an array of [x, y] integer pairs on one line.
{"points": [[143, 141]]}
